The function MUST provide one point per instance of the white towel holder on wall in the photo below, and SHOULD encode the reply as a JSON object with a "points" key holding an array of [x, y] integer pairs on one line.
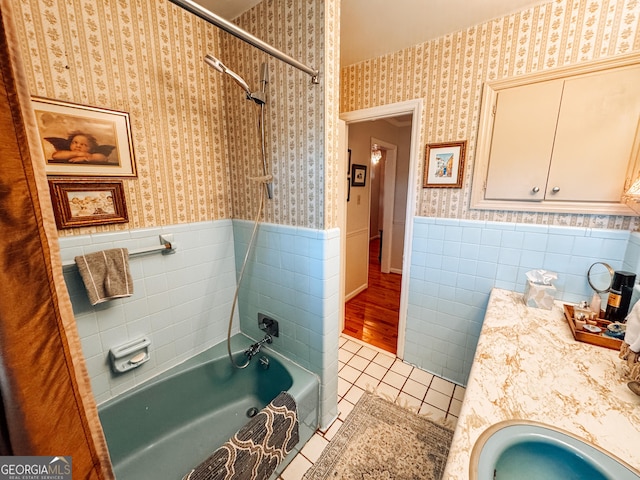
{"points": [[166, 247]]}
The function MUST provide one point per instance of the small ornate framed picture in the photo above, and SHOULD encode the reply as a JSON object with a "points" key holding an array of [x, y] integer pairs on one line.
{"points": [[444, 165], [87, 202]]}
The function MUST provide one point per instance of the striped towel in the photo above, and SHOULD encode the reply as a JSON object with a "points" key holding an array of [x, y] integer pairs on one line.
{"points": [[106, 274]]}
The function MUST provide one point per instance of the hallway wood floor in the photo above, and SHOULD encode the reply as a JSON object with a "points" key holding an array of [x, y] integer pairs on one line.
{"points": [[372, 315]]}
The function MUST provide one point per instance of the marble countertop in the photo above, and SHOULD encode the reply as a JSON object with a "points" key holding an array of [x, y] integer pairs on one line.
{"points": [[528, 366]]}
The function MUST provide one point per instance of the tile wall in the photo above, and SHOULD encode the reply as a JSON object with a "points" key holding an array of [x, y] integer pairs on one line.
{"points": [[632, 254], [456, 263], [294, 277], [181, 301]]}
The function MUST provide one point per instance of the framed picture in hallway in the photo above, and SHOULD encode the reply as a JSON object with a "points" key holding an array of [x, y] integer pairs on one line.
{"points": [[444, 165], [358, 175]]}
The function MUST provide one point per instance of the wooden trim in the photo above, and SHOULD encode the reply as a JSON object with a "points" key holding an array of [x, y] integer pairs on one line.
{"points": [[413, 107], [594, 66]]}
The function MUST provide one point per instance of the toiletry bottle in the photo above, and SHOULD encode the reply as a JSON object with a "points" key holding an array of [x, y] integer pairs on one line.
{"points": [[596, 304], [620, 296]]}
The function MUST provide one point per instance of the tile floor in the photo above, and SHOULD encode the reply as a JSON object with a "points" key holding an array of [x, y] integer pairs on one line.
{"points": [[363, 367]]}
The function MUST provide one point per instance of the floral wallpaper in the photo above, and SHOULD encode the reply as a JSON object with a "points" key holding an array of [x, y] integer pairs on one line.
{"points": [[295, 112], [143, 58], [448, 73], [195, 137]]}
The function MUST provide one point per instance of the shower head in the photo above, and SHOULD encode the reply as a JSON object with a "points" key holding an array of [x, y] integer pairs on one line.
{"points": [[213, 62]]}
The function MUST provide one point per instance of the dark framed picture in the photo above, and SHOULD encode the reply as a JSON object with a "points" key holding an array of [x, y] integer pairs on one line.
{"points": [[86, 202], [358, 175], [82, 140], [444, 165]]}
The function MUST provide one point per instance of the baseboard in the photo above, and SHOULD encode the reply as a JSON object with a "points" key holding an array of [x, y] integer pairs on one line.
{"points": [[361, 288]]}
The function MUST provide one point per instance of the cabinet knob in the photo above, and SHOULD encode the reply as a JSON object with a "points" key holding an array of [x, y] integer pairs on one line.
{"points": [[555, 189], [535, 189]]}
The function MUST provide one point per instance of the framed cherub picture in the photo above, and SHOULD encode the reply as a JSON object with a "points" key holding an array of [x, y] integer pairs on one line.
{"points": [[85, 141]]}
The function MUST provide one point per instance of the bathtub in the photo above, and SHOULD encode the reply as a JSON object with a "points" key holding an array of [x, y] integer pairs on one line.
{"points": [[166, 426]]}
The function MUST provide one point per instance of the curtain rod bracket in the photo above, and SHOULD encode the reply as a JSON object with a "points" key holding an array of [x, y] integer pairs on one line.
{"points": [[233, 29]]}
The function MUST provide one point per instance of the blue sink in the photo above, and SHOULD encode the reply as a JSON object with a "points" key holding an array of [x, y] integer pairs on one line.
{"points": [[524, 450]]}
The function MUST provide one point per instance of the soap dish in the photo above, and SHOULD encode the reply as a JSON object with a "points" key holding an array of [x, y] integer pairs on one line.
{"points": [[592, 328], [129, 355]]}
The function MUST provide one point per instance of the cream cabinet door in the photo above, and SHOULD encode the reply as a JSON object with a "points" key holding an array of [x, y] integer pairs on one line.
{"points": [[579, 122], [522, 143], [598, 119]]}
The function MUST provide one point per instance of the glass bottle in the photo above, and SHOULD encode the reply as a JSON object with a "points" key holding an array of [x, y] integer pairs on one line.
{"points": [[620, 296]]}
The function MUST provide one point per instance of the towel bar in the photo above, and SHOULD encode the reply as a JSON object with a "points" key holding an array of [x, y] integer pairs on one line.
{"points": [[167, 247]]}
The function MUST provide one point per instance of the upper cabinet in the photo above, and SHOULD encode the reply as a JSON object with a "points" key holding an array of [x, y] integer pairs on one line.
{"points": [[560, 141]]}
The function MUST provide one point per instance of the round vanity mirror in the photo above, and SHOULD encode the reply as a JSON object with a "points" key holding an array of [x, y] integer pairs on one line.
{"points": [[600, 275]]}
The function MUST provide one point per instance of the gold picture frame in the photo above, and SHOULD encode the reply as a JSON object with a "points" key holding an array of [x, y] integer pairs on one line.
{"points": [[87, 202], [444, 165], [84, 141]]}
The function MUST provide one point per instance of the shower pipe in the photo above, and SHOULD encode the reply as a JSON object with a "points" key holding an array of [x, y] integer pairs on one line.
{"points": [[235, 295], [238, 32], [260, 98]]}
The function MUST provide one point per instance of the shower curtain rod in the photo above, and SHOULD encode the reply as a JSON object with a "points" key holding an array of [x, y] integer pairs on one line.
{"points": [[236, 31]]}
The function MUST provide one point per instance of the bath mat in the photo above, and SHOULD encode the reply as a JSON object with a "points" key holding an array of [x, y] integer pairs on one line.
{"points": [[255, 451], [381, 440]]}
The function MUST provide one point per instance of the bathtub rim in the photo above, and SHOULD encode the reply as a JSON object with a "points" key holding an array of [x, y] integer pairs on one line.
{"points": [[239, 343], [304, 387]]}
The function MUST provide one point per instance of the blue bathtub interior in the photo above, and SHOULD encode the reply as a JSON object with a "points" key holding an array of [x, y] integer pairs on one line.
{"points": [[526, 450], [168, 425]]}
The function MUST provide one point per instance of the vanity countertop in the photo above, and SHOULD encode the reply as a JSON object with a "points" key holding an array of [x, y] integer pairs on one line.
{"points": [[528, 366]]}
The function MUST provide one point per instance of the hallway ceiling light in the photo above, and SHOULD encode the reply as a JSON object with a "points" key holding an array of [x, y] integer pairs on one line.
{"points": [[376, 154]]}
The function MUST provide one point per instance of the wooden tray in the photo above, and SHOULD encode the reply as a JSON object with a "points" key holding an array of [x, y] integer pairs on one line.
{"points": [[593, 338]]}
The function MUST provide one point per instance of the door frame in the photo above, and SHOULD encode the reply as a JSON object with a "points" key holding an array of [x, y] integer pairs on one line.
{"points": [[413, 107]]}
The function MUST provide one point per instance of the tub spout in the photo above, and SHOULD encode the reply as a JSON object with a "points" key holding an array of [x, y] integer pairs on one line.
{"points": [[254, 349]]}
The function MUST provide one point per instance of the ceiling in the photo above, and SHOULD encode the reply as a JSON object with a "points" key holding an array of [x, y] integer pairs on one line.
{"points": [[370, 28]]}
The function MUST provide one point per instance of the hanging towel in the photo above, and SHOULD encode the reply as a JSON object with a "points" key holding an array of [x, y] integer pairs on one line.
{"points": [[630, 348], [106, 274], [632, 335]]}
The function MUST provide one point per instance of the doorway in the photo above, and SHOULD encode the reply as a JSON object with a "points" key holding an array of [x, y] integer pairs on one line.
{"points": [[374, 235], [359, 244], [373, 314]]}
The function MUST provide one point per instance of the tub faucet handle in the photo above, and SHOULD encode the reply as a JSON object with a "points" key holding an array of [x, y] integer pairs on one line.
{"points": [[268, 325], [252, 350]]}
